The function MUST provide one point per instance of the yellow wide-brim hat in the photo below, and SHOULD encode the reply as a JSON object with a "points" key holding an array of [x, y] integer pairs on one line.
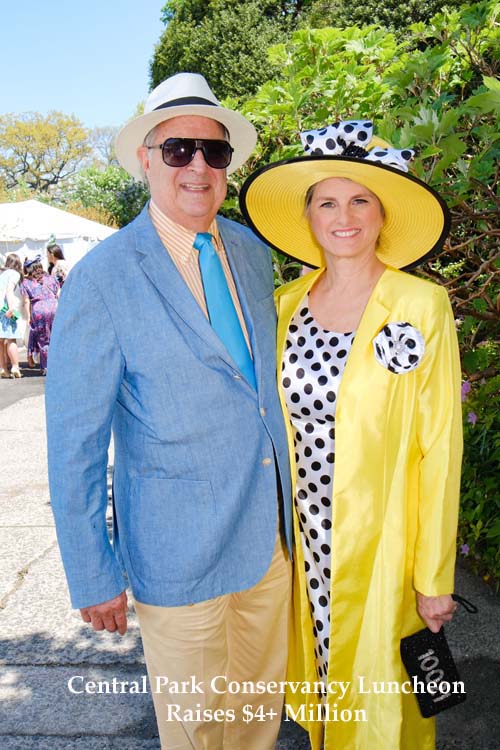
{"points": [[416, 222]]}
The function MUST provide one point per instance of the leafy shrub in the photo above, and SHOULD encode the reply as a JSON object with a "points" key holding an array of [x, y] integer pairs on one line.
{"points": [[479, 525]]}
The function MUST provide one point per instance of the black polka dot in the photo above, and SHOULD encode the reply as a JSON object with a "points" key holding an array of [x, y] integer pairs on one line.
{"points": [[302, 494], [301, 341], [318, 404], [319, 625], [315, 466], [319, 443], [314, 509], [308, 451], [312, 487], [326, 524], [314, 583], [325, 548], [308, 389], [325, 479], [334, 341], [309, 428], [326, 502], [323, 601], [295, 398], [314, 534], [286, 382], [300, 372], [330, 458], [330, 396]]}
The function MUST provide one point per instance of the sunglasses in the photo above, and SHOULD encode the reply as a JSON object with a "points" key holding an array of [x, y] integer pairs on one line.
{"points": [[178, 152]]}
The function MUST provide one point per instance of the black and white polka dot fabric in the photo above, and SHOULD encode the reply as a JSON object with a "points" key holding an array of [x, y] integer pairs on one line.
{"points": [[312, 368], [335, 139], [352, 138], [399, 347]]}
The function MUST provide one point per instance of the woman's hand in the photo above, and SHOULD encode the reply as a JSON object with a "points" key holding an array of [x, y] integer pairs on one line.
{"points": [[435, 610], [9, 314]]}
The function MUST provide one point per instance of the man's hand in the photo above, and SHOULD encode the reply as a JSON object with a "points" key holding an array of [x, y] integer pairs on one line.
{"points": [[435, 610], [111, 615]]}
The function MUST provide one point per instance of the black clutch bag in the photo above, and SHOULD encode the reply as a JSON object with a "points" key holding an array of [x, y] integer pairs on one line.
{"points": [[430, 666]]}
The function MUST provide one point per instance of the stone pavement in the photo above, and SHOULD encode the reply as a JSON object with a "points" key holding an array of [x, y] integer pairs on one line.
{"points": [[43, 642]]}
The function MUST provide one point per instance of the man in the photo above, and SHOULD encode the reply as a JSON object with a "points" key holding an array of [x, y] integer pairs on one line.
{"points": [[200, 447]]}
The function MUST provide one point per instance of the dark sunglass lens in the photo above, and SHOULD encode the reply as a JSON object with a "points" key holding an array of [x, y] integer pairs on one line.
{"points": [[177, 152], [217, 154]]}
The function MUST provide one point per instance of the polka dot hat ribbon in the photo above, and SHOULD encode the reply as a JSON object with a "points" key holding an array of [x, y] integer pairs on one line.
{"points": [[352, 138]]}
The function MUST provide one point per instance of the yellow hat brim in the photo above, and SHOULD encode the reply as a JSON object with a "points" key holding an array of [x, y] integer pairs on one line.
{"points": [[273, 201]]}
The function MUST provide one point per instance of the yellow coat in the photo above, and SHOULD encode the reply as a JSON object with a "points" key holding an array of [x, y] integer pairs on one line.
{"points": [[395, 507]]}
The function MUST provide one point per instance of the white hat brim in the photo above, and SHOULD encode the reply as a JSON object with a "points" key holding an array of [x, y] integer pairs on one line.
{"points": [[242, 133]]}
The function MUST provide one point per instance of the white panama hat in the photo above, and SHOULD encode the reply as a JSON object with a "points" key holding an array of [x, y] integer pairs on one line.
{"points": [[180, 95]]}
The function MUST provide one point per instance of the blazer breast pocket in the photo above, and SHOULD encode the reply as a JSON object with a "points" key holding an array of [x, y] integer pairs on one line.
{"points": [[170, 528]]}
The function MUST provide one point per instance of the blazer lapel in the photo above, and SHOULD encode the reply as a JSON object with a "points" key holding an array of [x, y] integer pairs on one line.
{"points": [[159, 267], [254, 312], [373, 319]]}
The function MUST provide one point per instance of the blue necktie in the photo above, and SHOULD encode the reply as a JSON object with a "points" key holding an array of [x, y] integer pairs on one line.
{"points": [[220, 306]]}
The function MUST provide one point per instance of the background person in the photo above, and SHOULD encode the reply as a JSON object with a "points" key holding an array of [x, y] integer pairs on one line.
{"points": [[200, 444], [41, 293], [57, 264], [13, 317], [370, 383]]}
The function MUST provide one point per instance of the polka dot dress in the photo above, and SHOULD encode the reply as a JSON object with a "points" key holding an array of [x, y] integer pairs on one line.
{"points": [[312, 368]]}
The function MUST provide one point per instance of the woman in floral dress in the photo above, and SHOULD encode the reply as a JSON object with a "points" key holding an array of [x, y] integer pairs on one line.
{"points": [[42, 291]]}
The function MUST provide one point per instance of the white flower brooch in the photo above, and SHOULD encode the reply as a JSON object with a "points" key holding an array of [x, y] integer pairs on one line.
{"points": [[399, 347]]}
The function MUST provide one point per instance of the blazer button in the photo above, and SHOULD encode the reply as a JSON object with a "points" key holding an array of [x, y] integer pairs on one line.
{"points": [[262, 412], [236, 376], [266, 461]]}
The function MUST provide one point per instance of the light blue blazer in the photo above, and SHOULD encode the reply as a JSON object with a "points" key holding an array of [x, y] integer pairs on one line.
{"points": [[195, 502]]}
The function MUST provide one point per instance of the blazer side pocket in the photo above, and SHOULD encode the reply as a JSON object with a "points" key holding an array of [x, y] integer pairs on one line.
{"points": [[170, 530]]}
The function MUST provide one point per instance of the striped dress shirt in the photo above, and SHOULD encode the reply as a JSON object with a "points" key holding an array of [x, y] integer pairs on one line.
{"points": [[178, 241]]}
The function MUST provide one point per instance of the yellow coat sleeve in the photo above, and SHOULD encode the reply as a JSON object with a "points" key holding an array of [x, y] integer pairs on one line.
{"points": [[439, 433]]}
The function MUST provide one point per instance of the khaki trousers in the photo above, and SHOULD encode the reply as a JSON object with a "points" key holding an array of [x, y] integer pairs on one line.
{"points": [[201, 659]]}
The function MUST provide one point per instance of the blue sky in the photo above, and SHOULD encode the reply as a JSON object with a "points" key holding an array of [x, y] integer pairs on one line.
{"points": [[88, 58]]}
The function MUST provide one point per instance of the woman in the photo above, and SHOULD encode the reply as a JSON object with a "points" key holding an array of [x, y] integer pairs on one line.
{"points": [[370, 386], [12, 316], [58, 266], [41, 293]]}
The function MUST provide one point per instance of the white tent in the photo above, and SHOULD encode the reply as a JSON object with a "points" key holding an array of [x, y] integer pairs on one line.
{"points": [[26, 226]]}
